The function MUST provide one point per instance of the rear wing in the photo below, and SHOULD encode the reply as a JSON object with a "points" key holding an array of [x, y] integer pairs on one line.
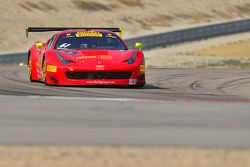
{"points": [[47, 29]]}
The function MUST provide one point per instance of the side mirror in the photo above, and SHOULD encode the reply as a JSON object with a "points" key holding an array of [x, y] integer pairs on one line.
{"points": [[39, 45], [138, 46]]}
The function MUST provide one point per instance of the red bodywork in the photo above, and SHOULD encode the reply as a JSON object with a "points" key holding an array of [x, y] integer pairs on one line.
{"points": [[86, 67]]}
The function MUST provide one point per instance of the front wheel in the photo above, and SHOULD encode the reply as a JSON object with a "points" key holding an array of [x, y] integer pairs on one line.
{"points": [[44, 71], [30, 69]]}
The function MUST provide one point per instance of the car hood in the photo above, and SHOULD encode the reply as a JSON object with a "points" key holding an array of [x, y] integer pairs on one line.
{"points": [[93, 56]]}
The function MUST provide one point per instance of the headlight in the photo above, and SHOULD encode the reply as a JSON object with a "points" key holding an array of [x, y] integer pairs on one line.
{"points": [[62, 59], [131, 60]]}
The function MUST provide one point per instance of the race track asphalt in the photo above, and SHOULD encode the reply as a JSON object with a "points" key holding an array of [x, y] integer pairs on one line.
{"points": [[177, 107]]}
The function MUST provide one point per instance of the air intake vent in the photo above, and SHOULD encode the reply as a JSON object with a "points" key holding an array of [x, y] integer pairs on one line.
{"points": [[98, 75]]}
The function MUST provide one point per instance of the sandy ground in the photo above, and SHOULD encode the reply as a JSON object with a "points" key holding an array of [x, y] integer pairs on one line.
{"points": [[137, 17], [238, 49], [195, 54], [53, 156]]}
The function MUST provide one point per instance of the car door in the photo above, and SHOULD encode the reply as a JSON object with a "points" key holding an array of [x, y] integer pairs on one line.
{"points": [[42, 51]]}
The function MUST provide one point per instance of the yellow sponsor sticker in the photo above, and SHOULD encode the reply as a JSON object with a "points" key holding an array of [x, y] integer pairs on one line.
{"points": [[106, 57], [142, 68], [51, 68], [88, 34], [103, 57], [85, 57]]}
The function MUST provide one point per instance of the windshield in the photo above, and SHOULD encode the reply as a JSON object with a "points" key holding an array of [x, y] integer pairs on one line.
{"points": [[89, 40]]}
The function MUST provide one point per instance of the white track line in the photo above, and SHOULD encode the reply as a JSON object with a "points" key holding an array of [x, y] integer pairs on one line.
{"points": [[247, 102], [77, 98]]}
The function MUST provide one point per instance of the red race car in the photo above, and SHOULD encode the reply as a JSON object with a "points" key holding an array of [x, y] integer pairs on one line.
{"points": [[85, 56]]}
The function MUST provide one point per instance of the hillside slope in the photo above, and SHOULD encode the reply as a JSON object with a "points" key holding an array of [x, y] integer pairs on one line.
{"points": [[137, 17]]}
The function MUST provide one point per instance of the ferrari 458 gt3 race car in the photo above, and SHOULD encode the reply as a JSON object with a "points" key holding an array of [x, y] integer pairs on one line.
{"points": [[85, 56]]}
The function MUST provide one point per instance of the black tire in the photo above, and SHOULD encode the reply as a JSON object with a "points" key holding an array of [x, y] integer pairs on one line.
{"points": [[44, 70], [136, 86], [30, 69]]}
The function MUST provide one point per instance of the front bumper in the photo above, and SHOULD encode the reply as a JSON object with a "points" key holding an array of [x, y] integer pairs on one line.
{"points": [[61, 76]]}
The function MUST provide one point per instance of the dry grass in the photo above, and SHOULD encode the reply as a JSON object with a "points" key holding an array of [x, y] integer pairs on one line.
{"points": [[222, 14], [150, 22], [194, 17], [240, 49], [231, 63], [90, 6], [137, 17], [233, 55], [40, 5], [243, 9], [160, 20], [52, 156], [132, 3]]}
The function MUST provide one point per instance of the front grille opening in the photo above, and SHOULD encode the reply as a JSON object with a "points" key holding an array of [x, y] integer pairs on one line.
{"points": [[98, 75]]}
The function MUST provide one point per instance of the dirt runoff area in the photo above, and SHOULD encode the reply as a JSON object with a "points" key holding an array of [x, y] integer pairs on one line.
{"points": [[137, 17], [58, 156]]}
